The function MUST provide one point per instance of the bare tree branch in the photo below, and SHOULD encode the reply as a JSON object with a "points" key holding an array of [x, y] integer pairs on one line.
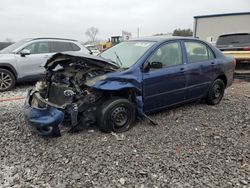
{"points": [[91, 33]]}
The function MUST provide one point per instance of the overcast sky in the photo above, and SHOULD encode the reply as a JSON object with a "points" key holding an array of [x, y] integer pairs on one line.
{"points": [[70, 18]]}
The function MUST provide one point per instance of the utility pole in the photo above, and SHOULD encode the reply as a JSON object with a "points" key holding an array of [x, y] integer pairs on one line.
{"points": [[138, 33]]}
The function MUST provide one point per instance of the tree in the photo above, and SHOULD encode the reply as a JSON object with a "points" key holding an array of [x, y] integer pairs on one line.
{"points": [[160, 34], [91, 33], [183, 32]]}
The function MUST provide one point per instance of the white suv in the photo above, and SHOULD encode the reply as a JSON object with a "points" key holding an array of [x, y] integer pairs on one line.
{"points": [[24, 60]]}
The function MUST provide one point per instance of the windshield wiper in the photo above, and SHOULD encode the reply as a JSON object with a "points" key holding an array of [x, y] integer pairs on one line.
{"points": [[118, 58], [111, 61]]}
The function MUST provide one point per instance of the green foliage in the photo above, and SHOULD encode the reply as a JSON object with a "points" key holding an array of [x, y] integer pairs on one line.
{"points": [[183, 32]]}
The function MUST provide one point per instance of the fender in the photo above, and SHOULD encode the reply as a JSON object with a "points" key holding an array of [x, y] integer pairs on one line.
{"points": [[114, 85], [9, 67]]}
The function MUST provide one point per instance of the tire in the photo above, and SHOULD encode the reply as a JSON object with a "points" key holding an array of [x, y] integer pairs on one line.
{"points": [[216, 92], [117, 115], [7, 80]]}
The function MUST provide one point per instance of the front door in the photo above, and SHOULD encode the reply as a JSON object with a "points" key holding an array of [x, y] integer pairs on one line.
{"points": [[32, 64], [165, 86]]}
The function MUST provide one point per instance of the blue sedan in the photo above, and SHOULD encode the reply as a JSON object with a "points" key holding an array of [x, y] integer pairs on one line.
{"points": [[133, 78]]}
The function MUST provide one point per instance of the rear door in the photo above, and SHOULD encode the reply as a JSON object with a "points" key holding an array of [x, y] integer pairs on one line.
{"points": [[164, 86], [201, 68]]}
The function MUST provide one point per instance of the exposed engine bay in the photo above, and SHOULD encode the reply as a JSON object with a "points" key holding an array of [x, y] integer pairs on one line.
{"points": [[65, 89]]}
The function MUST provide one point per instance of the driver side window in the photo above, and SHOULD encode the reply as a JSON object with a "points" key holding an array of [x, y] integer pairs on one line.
{"points": [[38, 48], [31, 48], [169, 54]]}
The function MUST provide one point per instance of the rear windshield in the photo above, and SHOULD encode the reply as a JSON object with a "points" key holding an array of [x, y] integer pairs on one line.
{"points": [[233, 39]]}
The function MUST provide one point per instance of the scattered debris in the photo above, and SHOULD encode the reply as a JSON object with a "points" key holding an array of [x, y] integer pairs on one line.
{"points": [[119, 137], [122, 181]]}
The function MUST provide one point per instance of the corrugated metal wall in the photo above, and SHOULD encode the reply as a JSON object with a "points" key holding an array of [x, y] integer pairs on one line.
{"points": [[209, 28]]}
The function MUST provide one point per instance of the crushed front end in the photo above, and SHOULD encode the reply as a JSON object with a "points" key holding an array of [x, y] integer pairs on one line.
{"points": [[64, 96]]}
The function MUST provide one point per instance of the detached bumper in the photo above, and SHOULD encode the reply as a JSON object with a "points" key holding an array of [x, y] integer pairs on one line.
{"points": [[44, 121]]}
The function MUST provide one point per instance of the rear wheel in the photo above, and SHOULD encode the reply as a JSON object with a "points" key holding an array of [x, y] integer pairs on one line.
{"points": [[117, 115], [216, 92], [7, 80]]}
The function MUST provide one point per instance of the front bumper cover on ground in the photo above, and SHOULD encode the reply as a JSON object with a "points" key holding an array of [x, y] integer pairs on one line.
{"points": [[44, 121]]}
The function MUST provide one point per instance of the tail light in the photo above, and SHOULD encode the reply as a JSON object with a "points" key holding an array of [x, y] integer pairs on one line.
{"points": [[246, 48]]}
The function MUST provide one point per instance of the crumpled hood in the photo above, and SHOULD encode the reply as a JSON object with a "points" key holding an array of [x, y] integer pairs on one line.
{"points": [[62, 59]]}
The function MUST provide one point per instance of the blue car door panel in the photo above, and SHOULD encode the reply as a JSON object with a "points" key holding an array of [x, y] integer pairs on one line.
{"points": [[165, 86], [200, 69]]}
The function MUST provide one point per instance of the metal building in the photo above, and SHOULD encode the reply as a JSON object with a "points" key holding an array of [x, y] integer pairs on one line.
{"points": [[209, 27]]}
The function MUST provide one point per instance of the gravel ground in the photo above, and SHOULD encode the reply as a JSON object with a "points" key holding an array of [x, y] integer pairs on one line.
{"points": [[193, 146]]}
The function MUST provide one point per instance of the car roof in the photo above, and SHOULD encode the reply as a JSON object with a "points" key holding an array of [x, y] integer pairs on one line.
{"points": [[161, 38], [49, 38]]}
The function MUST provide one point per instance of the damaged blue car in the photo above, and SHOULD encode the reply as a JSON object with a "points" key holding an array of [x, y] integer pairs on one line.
{"points": [[129, 80]]}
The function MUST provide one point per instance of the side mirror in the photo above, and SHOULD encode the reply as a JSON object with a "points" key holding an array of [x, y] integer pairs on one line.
{"points": [[155, 65], [25, 52]]}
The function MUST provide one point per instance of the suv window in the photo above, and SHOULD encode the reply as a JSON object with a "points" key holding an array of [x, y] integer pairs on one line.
{"points": [[38, 47], [61, 47], [169, 54], [75, 47], [241, 38], [42, 47], [197, 52]]}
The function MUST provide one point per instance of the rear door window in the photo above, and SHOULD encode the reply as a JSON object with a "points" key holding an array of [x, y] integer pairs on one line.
{"points": [[61, 47], [197, 52]]}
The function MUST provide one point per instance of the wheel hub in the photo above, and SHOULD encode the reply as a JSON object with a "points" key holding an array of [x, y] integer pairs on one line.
{"points": [[5, 80], [217, 91], [119, 116]]}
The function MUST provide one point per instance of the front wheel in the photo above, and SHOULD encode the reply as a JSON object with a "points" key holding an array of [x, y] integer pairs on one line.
{"points": [[7, 80], [216, 92], [117, 115]]}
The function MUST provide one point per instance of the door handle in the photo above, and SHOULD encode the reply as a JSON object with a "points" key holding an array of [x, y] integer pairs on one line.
{"points": [[212, 63], [182, 70]]}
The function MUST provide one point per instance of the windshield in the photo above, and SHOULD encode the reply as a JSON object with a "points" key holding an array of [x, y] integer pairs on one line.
{"points": [[91, 47], [126, 54], [234, 39], [12, 47]]}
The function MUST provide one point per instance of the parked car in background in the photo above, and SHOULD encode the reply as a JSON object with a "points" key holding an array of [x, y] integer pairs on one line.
{"points": [[131, 79], [5, 44], [93, 49], [236, 45], [25, 60]]}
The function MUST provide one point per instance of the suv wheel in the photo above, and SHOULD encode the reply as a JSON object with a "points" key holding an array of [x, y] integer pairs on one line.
{"points": [[7, 80], [216, 92], [117, 115]]}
